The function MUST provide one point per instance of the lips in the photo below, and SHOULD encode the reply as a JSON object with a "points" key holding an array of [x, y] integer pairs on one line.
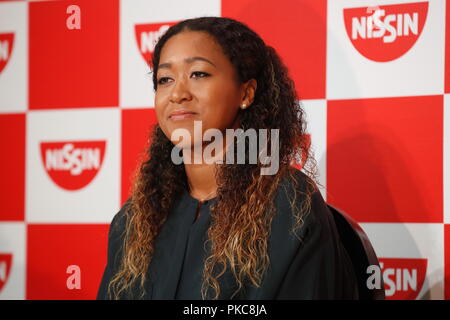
{"points": [[181, 114]]}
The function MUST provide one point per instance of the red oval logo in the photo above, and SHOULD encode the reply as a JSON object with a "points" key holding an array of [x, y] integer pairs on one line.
{"points": [[147, 35], [5, 268], [385, 33], [72, 164], [6, 45], [403, 278]]}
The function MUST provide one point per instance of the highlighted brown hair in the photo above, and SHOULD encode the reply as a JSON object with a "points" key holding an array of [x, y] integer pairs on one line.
{"points": [[242, 215]]}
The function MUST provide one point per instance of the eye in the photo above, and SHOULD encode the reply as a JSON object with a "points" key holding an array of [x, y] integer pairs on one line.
{"points": [[162, 80], [200, 74]]}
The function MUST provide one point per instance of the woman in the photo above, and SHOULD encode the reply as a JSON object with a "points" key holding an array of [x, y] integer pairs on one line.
{"points": [[224, 230]]}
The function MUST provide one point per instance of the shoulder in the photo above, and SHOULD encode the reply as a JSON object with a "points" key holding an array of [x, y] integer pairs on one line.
{"points": [[116, 233], [119, 220], [114, 252], [298, 197]]}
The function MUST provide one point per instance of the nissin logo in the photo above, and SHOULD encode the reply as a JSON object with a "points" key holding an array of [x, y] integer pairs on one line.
{"points": [[6, 45], [5, 268], [147, 35], [72, 164], [403, 278], [385, 33]]}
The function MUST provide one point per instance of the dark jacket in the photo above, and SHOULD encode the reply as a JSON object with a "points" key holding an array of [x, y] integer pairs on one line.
{"points": [[318, 267]]}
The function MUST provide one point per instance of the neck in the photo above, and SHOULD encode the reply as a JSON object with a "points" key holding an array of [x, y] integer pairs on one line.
{"points": [[201, 178]]}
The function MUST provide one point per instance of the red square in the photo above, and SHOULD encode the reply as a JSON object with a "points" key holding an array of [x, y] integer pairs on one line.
{"points": [[73, 68], [52, 249], [12, 168], [297, 31], [137, 125], [447, 261], [385, 158]]}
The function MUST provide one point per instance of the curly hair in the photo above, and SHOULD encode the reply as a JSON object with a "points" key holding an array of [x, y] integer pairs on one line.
{"points": [[241, 217]]}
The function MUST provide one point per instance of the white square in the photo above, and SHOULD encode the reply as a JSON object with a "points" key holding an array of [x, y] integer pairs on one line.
{"points": [[73, 183], [412, 240], [136, 86], [419, 71], [316, 119], [446, 158], [12, 244], [14, 74]]}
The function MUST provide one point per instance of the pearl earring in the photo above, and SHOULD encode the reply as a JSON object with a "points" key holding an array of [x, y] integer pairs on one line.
{"points": [[244, 106]]}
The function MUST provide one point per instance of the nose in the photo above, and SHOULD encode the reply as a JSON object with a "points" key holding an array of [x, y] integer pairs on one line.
{"points": [[180, 92]]}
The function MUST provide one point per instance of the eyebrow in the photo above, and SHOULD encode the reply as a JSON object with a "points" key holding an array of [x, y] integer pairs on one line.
{"points": [[186, 60]]}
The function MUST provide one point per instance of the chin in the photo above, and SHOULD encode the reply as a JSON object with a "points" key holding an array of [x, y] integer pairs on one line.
{"points": [[184, 130]]}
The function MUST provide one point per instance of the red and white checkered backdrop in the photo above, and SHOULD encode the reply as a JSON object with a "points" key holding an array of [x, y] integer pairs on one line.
{"points": [[76, 105]]}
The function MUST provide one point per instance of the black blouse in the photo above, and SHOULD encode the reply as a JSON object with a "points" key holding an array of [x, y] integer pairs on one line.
{"points": [[316, 268]]}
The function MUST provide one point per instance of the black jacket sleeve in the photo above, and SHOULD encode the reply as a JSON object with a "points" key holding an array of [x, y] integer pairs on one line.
{"points": [[321, 267], [115, 244]]}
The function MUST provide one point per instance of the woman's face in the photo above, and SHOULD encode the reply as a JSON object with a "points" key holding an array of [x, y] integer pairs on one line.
{"points": [[195, 76]]}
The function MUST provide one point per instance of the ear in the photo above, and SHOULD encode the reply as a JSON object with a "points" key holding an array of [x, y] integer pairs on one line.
{"points": [[249, 90]]}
